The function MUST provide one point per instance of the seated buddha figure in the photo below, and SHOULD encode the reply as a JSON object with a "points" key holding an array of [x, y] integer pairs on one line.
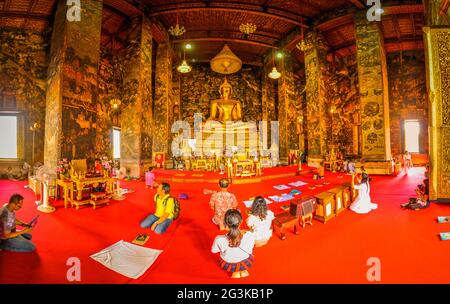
{"points": [[225, 109]]}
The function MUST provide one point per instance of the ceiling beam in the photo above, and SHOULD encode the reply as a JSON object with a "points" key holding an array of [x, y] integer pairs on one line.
{"points": [[116, 37], [265, 35], [396, 26], [231, 7], [403, 9], [116, 11], [357, 3], [336, 22], [443, 8], [39, 17], [224, 39], [246, 62]]}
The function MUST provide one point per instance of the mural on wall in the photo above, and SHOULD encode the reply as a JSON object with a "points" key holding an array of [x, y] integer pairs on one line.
{"points": [[23, 74], [344, 95], [407, 96], [202, 85], [301, 124], [372, 73]]}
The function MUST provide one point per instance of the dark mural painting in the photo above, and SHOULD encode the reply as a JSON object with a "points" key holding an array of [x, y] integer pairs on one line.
{"points": [[23, 68], [407, 96]]}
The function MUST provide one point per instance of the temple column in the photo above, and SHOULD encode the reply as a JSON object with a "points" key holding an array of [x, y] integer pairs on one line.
{"points": [[72, 97], [318, 116], [289, 110], [137, 114], [437, 49], [269, 106], [163, 99], [374, 95]]}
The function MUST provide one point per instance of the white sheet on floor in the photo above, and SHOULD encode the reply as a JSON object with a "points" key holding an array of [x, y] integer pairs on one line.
{"points": [[127, 259]]}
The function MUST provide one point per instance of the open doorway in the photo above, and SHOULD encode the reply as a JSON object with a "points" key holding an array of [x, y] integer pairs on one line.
{"points": [[116, 143], [412, 135]]}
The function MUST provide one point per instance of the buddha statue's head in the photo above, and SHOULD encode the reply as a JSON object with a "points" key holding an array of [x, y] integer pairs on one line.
{"points": [[225, 90]]}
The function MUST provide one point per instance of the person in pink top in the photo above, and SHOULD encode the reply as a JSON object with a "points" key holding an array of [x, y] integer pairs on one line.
{"points": [[222, 201], [149, 178]]}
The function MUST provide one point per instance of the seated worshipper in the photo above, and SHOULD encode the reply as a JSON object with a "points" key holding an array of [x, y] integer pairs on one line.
{"points": [[235, 247], [351, 167], [362, 204], [164, 213], [422, 201], [10, 238], [319, 173], [221, 201], [260, 221]]}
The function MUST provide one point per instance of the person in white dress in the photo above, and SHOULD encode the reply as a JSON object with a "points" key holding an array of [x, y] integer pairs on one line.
{"points": [[260, 221], [362, 204]]}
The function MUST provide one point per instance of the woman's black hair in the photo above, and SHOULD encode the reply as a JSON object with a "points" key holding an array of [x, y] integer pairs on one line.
{"points": [[259, 207], [233, 220]]}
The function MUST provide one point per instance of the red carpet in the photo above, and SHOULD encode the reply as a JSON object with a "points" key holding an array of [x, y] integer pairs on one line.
{"points": [[405, 241]]}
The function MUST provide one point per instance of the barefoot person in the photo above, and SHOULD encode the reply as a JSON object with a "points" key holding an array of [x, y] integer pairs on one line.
{"points": [[164, 213], [235, 247], [10, 238], [362, 203]]}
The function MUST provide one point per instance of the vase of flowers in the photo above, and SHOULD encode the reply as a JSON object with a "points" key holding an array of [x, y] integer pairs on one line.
{"points": [[62, 168]]}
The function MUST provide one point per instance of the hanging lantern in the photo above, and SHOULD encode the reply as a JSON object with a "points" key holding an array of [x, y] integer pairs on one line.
{"points": [[184, 67], [226, 62], [274, 74]]}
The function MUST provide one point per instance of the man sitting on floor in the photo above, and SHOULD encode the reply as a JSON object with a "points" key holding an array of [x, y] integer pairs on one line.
{"points": [[10, 239], [422, 200], [164, 213]]}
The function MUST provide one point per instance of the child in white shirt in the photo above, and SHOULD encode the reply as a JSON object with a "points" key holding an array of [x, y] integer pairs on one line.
{"points": [[235, 247], [260, 221]]}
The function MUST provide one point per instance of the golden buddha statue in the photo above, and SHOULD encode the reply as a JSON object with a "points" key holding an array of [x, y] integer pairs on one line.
{"points": [[225, 109]]}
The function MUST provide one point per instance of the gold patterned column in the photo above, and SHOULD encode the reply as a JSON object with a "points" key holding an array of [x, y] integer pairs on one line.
{"points": [[288, 109], [163, 99], [136, 117], [437, 50], [72, 97], [374, 94], [318, 116]]}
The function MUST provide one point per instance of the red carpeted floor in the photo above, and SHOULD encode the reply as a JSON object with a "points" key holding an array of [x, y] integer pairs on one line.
{"points": [[406, 242]]}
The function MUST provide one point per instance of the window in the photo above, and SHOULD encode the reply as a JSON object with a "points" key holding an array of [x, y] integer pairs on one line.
{"points": [[116, 143], [412, 133], [8, 136]]}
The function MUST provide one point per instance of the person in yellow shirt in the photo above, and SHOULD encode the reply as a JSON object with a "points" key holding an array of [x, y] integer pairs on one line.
{"points": [[164, 213]]}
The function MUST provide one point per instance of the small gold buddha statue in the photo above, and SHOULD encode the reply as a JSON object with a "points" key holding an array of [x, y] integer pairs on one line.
{"points": [[225, 109]]}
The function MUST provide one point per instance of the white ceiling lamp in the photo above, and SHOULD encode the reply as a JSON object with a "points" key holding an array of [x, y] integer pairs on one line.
{"points": [[184, 67]]}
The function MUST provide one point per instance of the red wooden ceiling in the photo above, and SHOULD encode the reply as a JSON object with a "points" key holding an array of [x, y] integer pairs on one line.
{"points": [[211, 24]]}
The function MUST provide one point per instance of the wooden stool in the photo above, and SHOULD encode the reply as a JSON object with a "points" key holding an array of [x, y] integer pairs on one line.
{"points": [[285, 221], [77, 204], [99, 198]]}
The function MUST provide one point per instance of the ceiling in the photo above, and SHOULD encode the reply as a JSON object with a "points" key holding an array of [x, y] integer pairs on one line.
{"points": [[211, 24]]}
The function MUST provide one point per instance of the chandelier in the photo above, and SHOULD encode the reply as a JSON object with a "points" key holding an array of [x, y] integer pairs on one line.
{"points": [[302, 44], [177, 30], [247, 29], [115, 103]]}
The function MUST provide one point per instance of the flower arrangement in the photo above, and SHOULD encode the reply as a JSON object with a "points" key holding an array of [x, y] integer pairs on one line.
{"points": [[62, 168]]}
